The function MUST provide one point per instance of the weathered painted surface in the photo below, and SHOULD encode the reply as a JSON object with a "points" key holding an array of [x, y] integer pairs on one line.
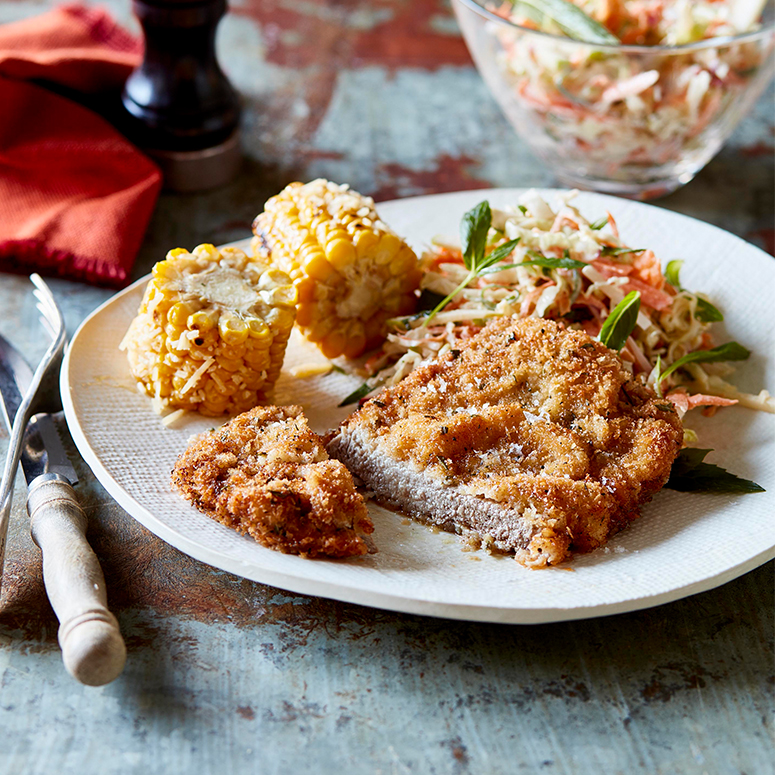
{"points": [[226, 675]]}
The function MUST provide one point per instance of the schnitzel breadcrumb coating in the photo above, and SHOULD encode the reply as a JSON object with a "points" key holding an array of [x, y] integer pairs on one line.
{"points": [[266, 473], [532, 436]]}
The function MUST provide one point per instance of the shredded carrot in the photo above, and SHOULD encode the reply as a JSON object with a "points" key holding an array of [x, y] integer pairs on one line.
{"points": [[684, 402], [612, 224], [651, 297], [646, 267], [610, 269]]}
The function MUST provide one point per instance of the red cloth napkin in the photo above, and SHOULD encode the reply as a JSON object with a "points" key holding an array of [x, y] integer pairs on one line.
{"points": [[76, 196]]}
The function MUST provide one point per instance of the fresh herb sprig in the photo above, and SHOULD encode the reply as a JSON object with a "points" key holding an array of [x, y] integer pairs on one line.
{"points": [[609, 251], [357, 394], [473, 233], [691, 474], [731, 351], [705, 312], [620, 323], [570, 19], [545, 262], [673, 271]]}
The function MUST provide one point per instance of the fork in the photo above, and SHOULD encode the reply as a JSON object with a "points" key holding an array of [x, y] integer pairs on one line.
{"points": [[92, 647], [44, 384]]}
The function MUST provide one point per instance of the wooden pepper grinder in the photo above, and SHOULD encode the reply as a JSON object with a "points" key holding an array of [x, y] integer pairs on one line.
{"points": [[182, 110]]}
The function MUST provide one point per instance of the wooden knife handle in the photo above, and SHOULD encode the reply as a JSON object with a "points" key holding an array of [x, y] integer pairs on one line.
{"points": [[92, 647]]}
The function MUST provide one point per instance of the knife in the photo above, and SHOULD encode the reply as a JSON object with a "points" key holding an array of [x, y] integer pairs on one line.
{"points": [[92, 647]]}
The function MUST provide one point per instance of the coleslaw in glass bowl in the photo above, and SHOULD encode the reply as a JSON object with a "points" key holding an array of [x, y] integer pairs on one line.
{"points": [[639, 116]]}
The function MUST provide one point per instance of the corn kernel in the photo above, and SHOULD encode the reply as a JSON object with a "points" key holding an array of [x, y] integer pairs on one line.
{"points": [[165, 270], [284, 296], [317, 266], [388, 246], [228, 364], [259, 359], [402, 261], [340, 253], [178, 313], [258, 329], [208, 409], [365, 241], [281, 319], [305, 288], [272, 278], [233, 330], [355, 346], [215, 387], [234, 351], [206, 250], [203, 320], [320, 329], [304, 314], [332, 345]]}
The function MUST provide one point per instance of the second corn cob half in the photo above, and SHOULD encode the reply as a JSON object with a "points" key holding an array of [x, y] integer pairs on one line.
{"points": [[350, 270], [211, 331]]}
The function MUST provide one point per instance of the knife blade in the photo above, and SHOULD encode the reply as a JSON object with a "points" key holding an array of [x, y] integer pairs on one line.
{"points": [[92, 647], [43, 452]]}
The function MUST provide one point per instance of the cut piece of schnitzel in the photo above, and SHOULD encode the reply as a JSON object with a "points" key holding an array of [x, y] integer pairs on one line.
{"points": [[531, 436], [267, 474]]}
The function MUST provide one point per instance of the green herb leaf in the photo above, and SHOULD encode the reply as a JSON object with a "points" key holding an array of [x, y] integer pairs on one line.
{"points": [[536, 259], [691, 474], [497, 255], [706, 312], [731, 351], [620, 323], [496, 269], [606, 251], [572, 20], [658, 376], [357, 395], [448, 298], [672, 272], [473, 233], [522, 209], [597, 225]]}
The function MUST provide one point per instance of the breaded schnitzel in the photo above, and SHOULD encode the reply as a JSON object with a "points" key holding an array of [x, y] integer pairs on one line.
{"points": [[533, 437], [267, 474]]}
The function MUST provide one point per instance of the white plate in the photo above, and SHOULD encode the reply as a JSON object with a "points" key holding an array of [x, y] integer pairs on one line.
{"points": [[682, 544]]}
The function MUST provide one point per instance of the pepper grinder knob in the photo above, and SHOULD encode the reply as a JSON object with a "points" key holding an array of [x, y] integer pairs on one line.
{"points": [[181, 109]]}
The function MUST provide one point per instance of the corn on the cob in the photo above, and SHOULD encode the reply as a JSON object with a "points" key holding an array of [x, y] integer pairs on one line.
{"points": [[211, 332], [351, 271]]}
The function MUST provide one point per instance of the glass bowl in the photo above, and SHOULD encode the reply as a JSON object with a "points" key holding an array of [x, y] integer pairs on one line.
{"points": [[637, 121]]}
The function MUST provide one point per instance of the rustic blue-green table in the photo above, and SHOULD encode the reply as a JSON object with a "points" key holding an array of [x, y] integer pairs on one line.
{"points": [[227, 675]]}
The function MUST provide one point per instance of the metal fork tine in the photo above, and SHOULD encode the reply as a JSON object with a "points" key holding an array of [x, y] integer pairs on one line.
{"points": [[51, 319], [46, 321], [47, 309]]}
